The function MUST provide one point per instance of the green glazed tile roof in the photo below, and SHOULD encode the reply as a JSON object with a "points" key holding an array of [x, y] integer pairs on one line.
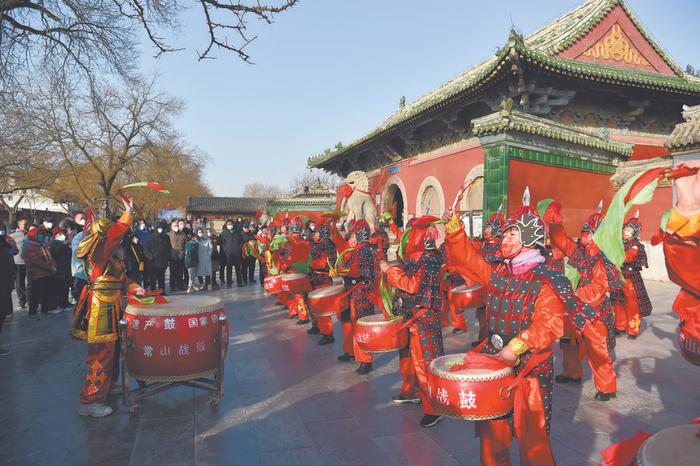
{"points": [[540, 49], [686, 135], [515, 120]]}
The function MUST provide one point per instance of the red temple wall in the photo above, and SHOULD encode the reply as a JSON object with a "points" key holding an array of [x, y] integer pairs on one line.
{"points": [[449, 167], [577, 191]]}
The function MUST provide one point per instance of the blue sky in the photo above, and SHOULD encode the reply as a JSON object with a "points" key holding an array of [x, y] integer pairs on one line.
{"points": [[331, 70]]}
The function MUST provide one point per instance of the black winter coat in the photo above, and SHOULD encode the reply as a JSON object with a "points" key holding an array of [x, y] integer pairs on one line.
{"points": [[231, 242], [157, 250], [61, 254]]}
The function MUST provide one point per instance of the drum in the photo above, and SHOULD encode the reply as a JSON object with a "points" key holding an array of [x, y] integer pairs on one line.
{"points": [[471, 394], [328, 301], [175, 341], [375, 334], [689, 346], [273, 284], [674, 446], [295, 282], [465, 296]]}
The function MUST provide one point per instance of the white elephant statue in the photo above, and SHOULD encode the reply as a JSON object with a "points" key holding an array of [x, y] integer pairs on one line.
{"points": [[263, 218], [359, 205]]}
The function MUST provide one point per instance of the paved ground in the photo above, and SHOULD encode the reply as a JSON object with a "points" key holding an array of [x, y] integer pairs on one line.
{"points": [[289, 402]]}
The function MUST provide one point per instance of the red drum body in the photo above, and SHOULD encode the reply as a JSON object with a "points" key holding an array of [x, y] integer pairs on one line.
{"points": [[328, 301], [471, 394], [689, 346], [179, 340], [673, 446], [273, 284], [376, 334], [465, 296], [295, 283]]}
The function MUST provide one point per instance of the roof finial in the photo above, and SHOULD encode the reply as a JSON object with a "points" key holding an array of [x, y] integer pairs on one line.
{"points": [[402, 101], [600, 207], [526, 197]]}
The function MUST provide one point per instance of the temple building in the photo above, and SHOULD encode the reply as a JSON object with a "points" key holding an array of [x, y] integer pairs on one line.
{"points": [[309, 201], [571, 110]]}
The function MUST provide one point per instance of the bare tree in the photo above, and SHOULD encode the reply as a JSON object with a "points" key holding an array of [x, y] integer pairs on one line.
{"points": [[262, 191], [94, 137], [94, 33], [314, 178]]}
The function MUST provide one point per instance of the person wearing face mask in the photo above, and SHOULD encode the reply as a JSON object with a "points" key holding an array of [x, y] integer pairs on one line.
{"points": [[248, 262], [215, 258], [601, 287], [40, 268], [204, 263], [8, 249], [79, 219], [19, 236], [47, 223], [143, 231], [636, 304], [526, 307], [420, 279], [60, 280], [177, 256], [134, 258], [158, 255], [230, 242]]}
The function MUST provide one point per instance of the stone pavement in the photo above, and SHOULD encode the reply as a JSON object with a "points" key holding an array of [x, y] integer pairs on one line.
{"points": [[289, 402]]}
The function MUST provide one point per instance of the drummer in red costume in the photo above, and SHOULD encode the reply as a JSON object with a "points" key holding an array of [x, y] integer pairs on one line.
{"points": [[636, 304], [420, 279], [526, 304], [358, 269], [295, 258], [323, 255], [598, 278], [100, 305], [682, 252], [490, 245]]}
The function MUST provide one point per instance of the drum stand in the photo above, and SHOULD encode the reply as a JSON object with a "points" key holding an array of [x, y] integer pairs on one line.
{"points": [[146, 388]]}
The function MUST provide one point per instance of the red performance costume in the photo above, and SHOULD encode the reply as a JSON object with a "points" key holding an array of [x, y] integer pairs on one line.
{"points": [[636, 304], [358, 269], [295, 258], [323, 256], [598, 278], [99, 308], [526, 302], [493, 229], [420, 281]]}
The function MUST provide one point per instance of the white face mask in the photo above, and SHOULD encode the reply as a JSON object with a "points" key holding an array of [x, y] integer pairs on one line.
{"points": [[230, 227], [200, 235], [81, 222], [48, 225], [209, 233], [175, 229], [160, 230], [142, 226], [134, 240], [60, 237]]}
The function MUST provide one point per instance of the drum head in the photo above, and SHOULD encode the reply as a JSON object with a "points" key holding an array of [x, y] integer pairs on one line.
{"points": [[288, 277], [327, 291], [675, 446], [441, 367], [465, 288], [378, 319], [179, 304]]}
